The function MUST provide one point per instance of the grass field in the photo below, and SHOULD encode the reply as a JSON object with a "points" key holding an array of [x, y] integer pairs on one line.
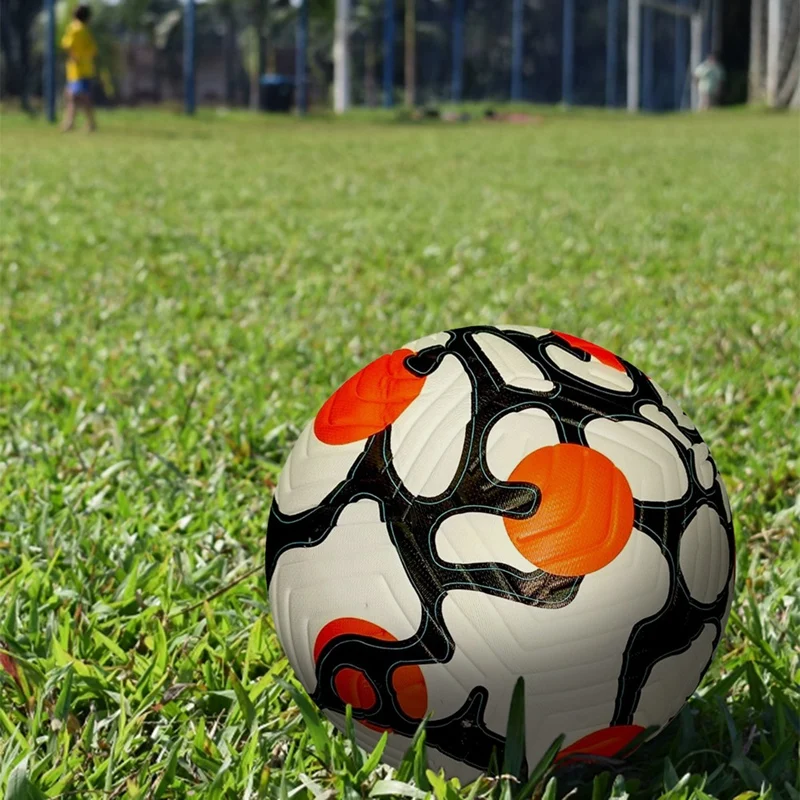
{"points": [[178, 297]]}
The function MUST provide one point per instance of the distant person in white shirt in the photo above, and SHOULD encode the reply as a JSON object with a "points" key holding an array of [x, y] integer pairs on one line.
{"points": [[709, 76]]}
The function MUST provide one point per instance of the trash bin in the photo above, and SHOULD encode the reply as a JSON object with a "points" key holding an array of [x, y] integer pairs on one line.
{"points": [[276, 93]]}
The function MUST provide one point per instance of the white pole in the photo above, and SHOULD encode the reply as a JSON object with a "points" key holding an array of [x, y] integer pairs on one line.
{"points": [[341, 57], [634, 52], [695, 54], [773, 50]]}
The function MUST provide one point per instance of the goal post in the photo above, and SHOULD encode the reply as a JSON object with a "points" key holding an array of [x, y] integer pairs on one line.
{"points": [[696, 17]]}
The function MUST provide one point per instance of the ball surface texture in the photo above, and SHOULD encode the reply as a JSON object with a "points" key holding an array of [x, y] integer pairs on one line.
{"points": [[494, 502]]}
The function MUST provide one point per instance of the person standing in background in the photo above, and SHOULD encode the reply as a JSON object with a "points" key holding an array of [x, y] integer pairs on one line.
{"points": [[81, 52], [709, 76]]}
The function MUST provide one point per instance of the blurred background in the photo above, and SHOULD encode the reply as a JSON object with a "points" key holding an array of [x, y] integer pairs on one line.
{"points": [[248, 53]]}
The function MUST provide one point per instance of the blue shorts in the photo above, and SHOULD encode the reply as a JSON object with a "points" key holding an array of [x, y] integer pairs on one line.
{"points": [[83, 86]]}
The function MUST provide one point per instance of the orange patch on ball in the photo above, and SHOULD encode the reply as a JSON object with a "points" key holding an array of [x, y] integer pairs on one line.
{"points": [[353, 686], [412, 694], [585, 516], [368, 402], [600, 353], [607, 742], [344, 626]]}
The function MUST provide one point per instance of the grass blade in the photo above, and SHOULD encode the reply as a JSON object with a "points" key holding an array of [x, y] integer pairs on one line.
{"points": [[514, 752], [316, 728]]}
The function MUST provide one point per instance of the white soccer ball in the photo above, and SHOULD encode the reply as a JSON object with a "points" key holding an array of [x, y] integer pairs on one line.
{"points": [[496, 502]]}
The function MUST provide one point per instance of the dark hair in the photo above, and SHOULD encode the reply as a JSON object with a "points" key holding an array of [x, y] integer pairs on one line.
{"points": [[83, 13]]}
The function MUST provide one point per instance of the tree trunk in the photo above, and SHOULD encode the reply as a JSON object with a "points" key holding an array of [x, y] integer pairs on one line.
{"points": [[411, 53], [370, 86]]}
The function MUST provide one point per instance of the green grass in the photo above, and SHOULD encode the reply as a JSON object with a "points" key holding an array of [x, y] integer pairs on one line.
{"points": [[178, 297]]}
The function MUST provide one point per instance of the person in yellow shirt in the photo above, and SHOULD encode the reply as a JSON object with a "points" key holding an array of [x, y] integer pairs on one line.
{"points": [[81, 52]]}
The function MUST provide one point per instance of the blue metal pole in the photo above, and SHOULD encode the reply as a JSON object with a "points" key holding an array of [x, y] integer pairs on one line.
{"points": [[567, 51], [516, 50], [388, 53], [458, 50], [647, 58], [188, 58], [681, 57], [50, 62], [301, 44], [612, 34]]}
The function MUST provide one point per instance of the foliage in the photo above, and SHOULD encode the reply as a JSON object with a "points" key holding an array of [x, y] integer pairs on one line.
{"points": [[178, 296]]}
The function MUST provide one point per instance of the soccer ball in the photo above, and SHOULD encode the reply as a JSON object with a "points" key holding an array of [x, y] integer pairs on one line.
{"points": [[496, 502]]}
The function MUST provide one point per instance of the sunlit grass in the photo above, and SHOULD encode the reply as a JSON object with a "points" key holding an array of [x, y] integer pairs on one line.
{"points": [[177, 299]]}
